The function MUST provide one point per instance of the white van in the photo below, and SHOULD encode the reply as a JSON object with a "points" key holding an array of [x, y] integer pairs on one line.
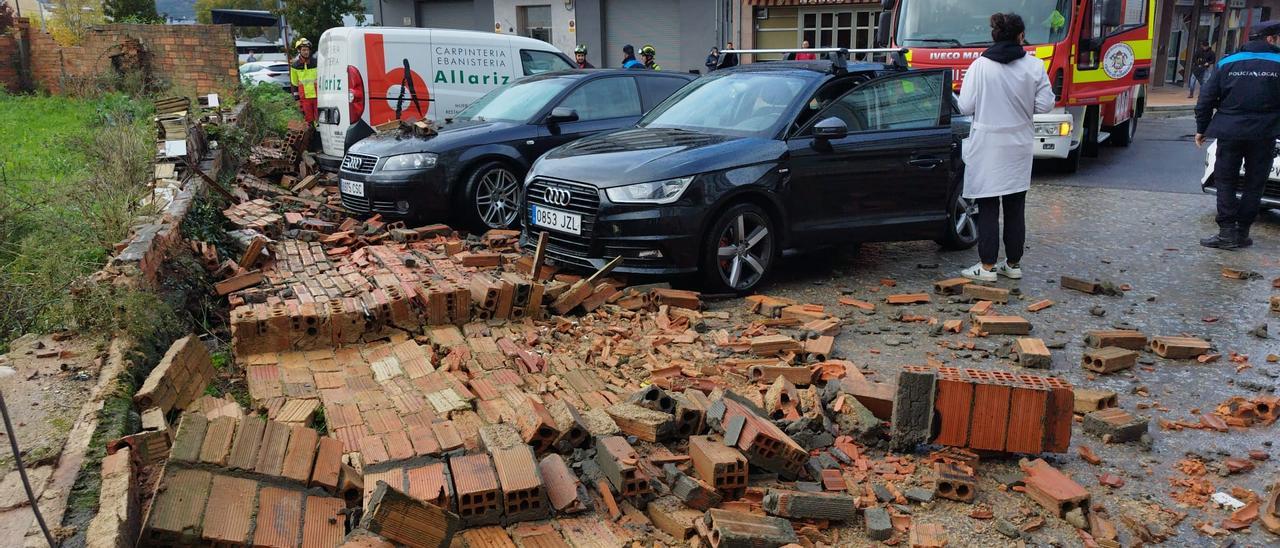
{"points": [[372, 75]]}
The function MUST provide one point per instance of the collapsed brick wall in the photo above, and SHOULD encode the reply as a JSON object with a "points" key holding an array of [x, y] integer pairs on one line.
{"points": [[201, 58], [10, 57]]}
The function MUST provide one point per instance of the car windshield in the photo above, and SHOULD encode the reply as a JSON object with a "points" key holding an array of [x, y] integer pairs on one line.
{"points": [[960, 23], [515, 103], [739, 104], [248, 68]]}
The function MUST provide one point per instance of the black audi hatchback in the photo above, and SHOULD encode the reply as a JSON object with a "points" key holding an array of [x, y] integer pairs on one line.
{"points": [[747, 162], [472, 170]]}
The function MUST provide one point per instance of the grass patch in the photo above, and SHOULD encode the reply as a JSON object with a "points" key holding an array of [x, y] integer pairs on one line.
{"points": [[72, 172]]}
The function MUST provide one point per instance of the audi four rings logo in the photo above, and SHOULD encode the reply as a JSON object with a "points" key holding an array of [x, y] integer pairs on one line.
{"points": [[352, 162], [555, 195]]}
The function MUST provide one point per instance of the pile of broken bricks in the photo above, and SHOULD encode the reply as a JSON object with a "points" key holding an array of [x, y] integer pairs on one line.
{"points": [[420, 386]]}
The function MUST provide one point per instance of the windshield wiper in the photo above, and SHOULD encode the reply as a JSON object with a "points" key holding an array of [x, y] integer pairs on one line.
{"points": [[952, 41], [979, 44]]}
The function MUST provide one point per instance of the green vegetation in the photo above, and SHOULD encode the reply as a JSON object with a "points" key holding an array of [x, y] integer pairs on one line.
{"points": [[73, 172], [310, 18]]}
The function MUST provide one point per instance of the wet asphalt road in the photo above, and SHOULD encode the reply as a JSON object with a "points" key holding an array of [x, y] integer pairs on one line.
{"points": [[1132, 216]]}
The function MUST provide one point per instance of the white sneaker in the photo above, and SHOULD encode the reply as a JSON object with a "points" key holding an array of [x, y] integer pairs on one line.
{"points": [[976, 272], [1011, 272]]}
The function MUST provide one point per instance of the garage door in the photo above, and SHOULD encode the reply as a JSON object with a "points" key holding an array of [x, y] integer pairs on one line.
{"points": [[447, 14], [654, 22]]}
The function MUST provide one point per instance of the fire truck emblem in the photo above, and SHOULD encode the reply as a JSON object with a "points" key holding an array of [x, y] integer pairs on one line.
{"points": [[1118, 61]]}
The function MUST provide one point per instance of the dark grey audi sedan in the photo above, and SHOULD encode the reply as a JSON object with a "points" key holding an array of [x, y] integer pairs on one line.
{"points": [[746, 162]]}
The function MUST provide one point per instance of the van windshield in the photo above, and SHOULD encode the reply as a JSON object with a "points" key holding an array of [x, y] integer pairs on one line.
{"points": [[515, 103]]}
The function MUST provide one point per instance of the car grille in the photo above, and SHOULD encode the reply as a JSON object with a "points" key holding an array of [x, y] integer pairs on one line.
{"points": [[355, 204], [359, 163], [583, 200], [1272, 189]]}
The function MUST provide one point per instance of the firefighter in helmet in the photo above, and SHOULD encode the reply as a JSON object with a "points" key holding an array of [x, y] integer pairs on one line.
{"points": [[302, 74], [647, 53], [580, 56]]}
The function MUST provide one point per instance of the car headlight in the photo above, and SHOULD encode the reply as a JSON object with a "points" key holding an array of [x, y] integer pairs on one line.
{"points": [[654, 192], [403, 162], [1053, 129]]}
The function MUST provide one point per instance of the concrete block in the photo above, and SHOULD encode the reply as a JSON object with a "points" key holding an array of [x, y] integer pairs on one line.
{"points": [[730, 529], [912, 409], [1115, 425], [879, 526], [802, 505]]}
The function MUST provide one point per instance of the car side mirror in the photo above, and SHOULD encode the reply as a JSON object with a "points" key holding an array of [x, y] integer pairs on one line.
{"points": [[830, 128], [561, 115], [882, 29]]}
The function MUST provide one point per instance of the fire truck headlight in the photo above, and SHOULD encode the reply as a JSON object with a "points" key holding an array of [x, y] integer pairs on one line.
{"points": [[1053, 129]]}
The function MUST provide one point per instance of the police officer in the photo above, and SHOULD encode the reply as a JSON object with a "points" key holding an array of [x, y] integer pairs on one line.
{"points": [[580, 56], [647, 52], [1240, 107], [302, 74]]}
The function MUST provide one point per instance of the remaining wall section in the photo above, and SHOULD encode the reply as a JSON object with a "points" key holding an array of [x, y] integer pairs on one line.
{"points": [[197, 57]]}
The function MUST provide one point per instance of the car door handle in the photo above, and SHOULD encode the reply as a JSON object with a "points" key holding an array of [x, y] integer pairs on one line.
{"points": [[925, 163]]}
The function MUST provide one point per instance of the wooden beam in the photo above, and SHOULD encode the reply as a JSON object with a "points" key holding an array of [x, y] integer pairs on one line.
{"points": [[539, 254]]}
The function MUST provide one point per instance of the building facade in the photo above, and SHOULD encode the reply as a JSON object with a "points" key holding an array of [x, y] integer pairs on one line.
{"points": [[779, 24], [682, 31], [1184, 24]]}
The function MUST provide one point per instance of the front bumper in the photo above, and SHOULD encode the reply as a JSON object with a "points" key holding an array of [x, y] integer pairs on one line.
{"points": [[1270, 193], [660, 240], [1057, 146], [425, 191]]}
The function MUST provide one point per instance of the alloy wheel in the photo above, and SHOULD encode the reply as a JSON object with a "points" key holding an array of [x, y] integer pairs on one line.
{"points": [[965, 219], [498, 198], [744, 251]]}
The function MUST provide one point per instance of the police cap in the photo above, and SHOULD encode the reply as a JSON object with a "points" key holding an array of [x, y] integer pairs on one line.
{"points": [[1264, 29]]}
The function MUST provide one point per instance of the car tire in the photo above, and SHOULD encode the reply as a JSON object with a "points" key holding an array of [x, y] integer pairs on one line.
{"points": [[736, 256], [1122, 135], [962, 224], [491, 197]]}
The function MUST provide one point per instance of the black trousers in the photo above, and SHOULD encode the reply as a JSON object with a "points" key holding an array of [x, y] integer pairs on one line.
{"points": [[1238, 213], [1015, 227]]}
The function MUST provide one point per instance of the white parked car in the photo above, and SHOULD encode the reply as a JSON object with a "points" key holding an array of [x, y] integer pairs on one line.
{"points": [[1270, 193], [270, 72]]}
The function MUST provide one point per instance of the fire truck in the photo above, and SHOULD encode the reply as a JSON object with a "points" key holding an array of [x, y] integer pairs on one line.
{"points": [[1097, 54]]}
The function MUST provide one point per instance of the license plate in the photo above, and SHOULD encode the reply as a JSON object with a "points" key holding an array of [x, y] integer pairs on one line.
{"points": [[555, 219], [354, 188]]}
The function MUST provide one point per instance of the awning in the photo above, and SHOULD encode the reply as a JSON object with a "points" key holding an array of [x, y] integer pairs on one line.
{"points": [[777, 3], [244, 18]]}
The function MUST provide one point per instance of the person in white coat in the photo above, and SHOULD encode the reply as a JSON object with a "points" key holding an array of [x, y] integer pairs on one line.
{"points": [[1003, 89]]}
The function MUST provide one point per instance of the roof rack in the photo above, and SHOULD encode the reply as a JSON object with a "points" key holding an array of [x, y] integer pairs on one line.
{"points": [[839, 61]]}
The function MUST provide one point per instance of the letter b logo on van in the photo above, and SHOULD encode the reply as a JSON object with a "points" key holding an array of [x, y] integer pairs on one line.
{"points": [[389, 86]]}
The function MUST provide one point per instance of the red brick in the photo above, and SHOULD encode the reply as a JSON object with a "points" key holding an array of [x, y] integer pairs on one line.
{"points": [[230, 510], [328, 465], [1053, 489], [424, 441], [372, 450], [178, 509], [563, 487], [271, 453], [990, 418], [431, 483], [398, 446], [953, 403], [523, 495], [476, 485], [279, 518], [447, 435], [721, 466], [323, 526], [300, 455], [1027, 420]]}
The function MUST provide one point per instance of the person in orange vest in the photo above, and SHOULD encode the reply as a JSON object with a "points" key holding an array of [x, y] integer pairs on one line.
{"points": [[302, 74]]}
